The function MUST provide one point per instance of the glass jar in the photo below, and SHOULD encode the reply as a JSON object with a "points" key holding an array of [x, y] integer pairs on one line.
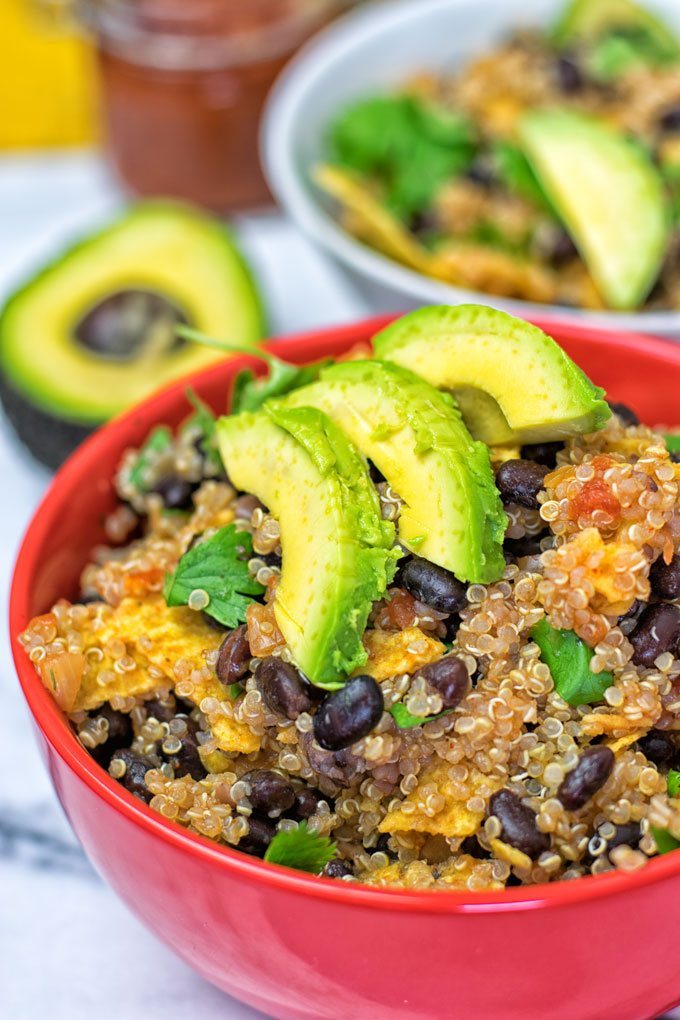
{"points": [[183, 85]]}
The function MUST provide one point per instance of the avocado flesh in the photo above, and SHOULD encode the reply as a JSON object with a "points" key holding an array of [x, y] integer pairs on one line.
{"points": [[157, 248], [338, 554], [452, 514], [589, 19], [609, 196], [514, 384]]}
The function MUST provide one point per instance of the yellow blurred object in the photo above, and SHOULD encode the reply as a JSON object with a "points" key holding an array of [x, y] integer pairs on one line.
{"points": [[47, 76]]}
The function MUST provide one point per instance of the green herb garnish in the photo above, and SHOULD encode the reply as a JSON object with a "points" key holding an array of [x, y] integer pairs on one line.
{"points": [[203, 421], [405, 719], [219, 567], [409, 146], [234, 691], [673, 442], [53, 680], [568, 658], [664, 841], [157, 442], [249, 392], [301, 849], [673, 783], [518, 176]]}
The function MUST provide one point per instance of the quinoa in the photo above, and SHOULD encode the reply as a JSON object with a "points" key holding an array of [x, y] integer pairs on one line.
{"points": [[419, 807]]}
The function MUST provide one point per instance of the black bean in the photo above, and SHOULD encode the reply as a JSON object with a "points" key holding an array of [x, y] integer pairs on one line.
{"points": [[658, 746], [163, 709], [423, 222], [472, 847], [656, 632], [270, 792], [120, 733], [245, 505], [341, 767], [175, 492], [520, 481], [347, 715], [186, 761], [590, 773], [568, 74], [670, 119], [449, 678], [629, 834], [433, 585], [482, 172], [518, 824], [260, 834], [542, 453], [665, 578], [451, 627], [625, 413], [675, 456], [282, 687], [560, 249], [136, 767], [518, 548], [272, 559], [337, 869], [306, 803], [233, 659], [382, 846]]}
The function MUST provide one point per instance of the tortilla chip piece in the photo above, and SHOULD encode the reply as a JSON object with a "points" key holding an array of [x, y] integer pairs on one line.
{"points": [[621, 743], [510, 854], [230, 734], [392, 653], [461, 872], [455, 819], [616, 724]]}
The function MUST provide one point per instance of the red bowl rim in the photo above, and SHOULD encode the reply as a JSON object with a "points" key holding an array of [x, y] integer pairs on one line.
{"points": [[49, 719]]}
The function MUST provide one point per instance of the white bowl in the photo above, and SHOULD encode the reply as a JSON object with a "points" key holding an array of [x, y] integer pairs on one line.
{"points": [[372, 49]]}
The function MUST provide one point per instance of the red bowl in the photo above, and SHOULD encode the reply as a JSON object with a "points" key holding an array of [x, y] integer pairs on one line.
{"points": [[301, 947]]}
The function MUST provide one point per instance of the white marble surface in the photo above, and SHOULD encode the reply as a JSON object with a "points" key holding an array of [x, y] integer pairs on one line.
{"points": [[68, 949]]}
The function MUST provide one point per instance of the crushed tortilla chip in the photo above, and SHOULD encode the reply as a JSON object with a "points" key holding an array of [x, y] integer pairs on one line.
{"points": [[510, 854], [621, 743], [392, 653], [455, 873], [614, 723], [454, 819]]}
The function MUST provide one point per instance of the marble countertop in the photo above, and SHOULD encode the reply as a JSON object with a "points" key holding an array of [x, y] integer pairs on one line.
{"points": [[68, 948]]}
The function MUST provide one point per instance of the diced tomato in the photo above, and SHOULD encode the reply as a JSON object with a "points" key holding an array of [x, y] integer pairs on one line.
{"points": [[62, 675], [595, 495]]}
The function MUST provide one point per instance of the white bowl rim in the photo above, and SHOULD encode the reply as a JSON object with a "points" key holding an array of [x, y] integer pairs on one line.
{"points": [[286, 104]]}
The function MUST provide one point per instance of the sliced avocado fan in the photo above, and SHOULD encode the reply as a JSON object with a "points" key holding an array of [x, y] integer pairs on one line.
{"points": [[586, 20], [415, 436], [512, 382], [94, 332], [338, 553], [609, 195]]}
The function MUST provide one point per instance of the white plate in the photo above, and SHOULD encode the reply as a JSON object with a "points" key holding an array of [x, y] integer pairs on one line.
{"points": [[370, 50]]}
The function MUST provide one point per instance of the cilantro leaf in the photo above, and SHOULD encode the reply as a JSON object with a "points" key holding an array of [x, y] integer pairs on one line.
{"points": [[673, 442], [218, 566], [664, 841], [409, 146], [568, 658], [405, 719], [518, 176], [203, 421], [673, 783], [301, 849], [158, 441], [250, 392]]}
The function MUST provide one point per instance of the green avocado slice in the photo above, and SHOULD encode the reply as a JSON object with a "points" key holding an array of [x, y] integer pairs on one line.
{"points": [[586, 20], [513, 383], [94, 332], [338, 554], [452, 514], [609, 195]]}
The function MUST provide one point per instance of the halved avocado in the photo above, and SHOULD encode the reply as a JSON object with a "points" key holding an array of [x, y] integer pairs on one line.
{"points": [[94, 332], [513, 383], [452, 514], [609, 195], [587, 20], [338, 553]]}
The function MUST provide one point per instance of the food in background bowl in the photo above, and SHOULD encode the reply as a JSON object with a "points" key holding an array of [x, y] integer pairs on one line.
{"points": [[545, 170], [342, 633], [94, 331]]}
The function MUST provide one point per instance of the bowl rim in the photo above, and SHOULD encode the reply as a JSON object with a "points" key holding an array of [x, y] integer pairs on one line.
{"points": [[50, 720], [285, 107]]}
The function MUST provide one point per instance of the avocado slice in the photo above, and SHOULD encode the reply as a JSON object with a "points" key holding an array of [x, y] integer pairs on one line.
{"points": [[338, 553], [94, 332], [588, 20], [452, 514], [512, 382], [609, 195]]}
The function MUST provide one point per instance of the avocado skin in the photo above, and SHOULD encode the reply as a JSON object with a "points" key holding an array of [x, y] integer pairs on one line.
{"points": [[50, 440]]}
